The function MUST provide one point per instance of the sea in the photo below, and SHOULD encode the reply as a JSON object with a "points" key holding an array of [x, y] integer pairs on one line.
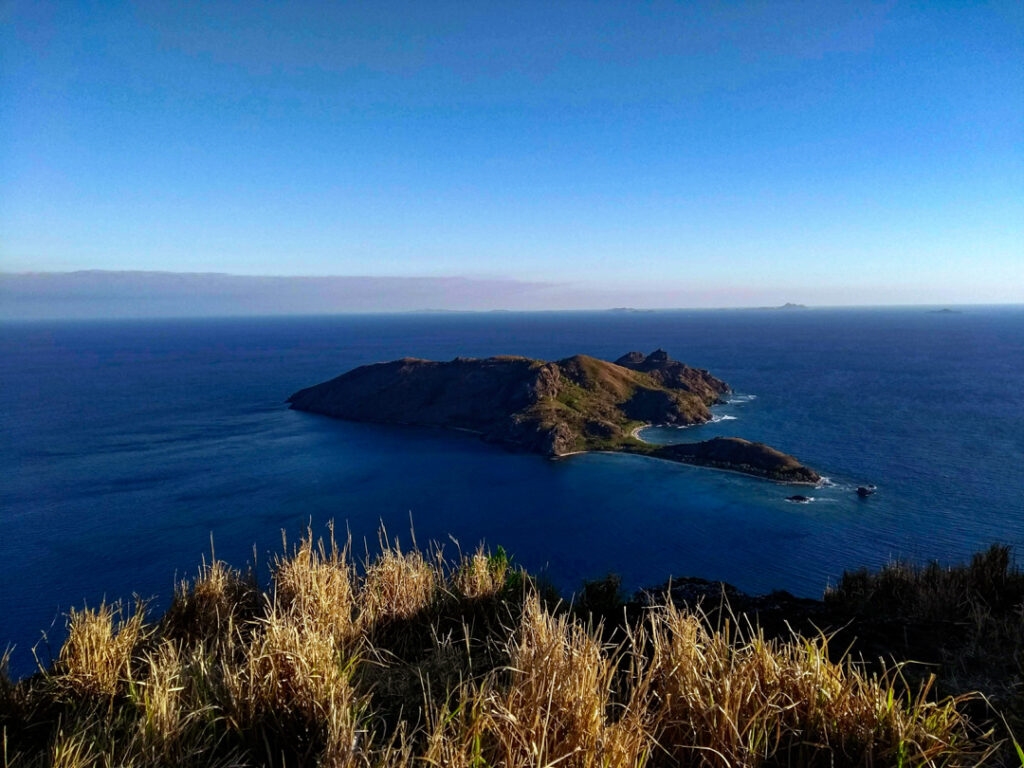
{"points": [[134, 450]]}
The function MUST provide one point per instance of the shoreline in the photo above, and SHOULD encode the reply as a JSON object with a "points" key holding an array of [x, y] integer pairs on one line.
{"points": [[805, 484], [820, 484], [635, 433]]}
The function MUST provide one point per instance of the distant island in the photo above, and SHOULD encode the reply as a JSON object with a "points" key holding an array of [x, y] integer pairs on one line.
{"points": [[787, 307], [553, 408]]}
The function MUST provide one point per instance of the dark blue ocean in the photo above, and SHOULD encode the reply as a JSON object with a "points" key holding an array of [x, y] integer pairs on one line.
{"points": [[127, 446]]}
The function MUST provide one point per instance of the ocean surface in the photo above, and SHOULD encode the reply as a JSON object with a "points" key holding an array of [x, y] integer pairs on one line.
{"points": [[132, 448]]}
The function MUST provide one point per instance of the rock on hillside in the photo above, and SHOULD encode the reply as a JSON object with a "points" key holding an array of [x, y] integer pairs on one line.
{"points": [[673, 373]]}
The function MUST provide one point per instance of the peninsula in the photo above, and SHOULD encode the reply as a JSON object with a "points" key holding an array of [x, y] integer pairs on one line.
{"points": [[554, 408]]}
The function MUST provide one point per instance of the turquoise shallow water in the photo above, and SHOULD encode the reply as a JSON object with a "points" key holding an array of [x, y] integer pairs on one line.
{"points": [[128, 445]]}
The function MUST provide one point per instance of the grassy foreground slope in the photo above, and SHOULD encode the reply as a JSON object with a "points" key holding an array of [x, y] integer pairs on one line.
{"points": [[412, 659]]}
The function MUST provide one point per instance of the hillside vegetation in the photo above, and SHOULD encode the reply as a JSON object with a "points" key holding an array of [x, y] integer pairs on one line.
{"points": [[414, 659]]}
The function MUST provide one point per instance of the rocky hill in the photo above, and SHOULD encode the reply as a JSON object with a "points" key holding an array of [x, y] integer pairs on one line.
{"points": [[555, 408]]}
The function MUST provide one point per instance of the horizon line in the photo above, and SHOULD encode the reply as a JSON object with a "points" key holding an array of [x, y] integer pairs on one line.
{"points": [[106, 294]]}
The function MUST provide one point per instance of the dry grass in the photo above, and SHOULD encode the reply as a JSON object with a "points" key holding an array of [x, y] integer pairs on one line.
{"points": [[315, 587], [99, 651], [745, 701], [411, 661], [481, 575], [556, 706], [926, 592], [968, 618], [397, 585], [211, 608], [293, 689]]}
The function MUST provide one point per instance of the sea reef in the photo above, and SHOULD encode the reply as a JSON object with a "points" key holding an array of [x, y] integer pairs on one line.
{"points": [[553, 408]]}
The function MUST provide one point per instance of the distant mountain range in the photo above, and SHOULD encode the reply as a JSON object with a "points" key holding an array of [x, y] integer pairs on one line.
{"points": [[104, 294]]}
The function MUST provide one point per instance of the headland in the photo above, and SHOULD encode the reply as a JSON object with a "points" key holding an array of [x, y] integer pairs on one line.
{"points": [[555, 408]]}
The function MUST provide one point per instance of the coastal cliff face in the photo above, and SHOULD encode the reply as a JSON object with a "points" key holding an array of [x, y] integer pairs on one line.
{"points": [[554, 408]]}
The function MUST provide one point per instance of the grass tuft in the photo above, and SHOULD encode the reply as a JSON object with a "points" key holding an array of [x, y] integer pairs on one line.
{"points": [[211, 608], [98, 654], [314, 586], [397, 585], [481, 575]]}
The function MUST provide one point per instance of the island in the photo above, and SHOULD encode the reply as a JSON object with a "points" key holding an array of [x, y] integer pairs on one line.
{"points": [[555, 408]]}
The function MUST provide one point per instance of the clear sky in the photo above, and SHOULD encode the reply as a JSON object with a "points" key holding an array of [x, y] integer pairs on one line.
{"points": [[689, 154]]}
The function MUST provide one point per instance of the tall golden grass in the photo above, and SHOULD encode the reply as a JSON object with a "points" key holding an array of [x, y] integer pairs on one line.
{"points": [[410, 660]]}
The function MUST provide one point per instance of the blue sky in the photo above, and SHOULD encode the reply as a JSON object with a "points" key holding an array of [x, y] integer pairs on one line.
{"points": [[673, 154]]}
